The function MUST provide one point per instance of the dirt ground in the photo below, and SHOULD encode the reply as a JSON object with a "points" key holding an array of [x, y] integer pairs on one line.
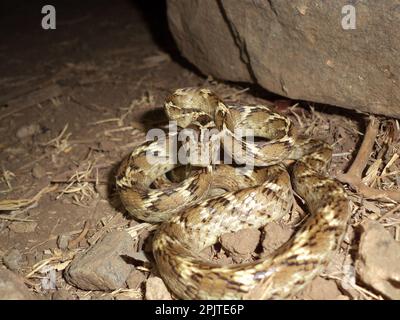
{"points": [[74, 101]]}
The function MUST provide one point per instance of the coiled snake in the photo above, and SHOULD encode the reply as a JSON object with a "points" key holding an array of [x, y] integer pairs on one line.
{"points": [[191, 221]]}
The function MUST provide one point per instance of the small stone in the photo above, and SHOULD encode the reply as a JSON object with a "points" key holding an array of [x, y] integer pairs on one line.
{"points": [[23, 226], [379, 260], [156, 289], [12, 260], [12, 287], [103, 191], [135, 279], [62, 294], [241, 243], [63, 240], [321, 289], [38, 171], [275, 235], [30, 259], [28, 131], [101, 267], [106, 145]]}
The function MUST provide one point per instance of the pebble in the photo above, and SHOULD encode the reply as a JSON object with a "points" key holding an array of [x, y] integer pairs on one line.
{"points": [[62, 241], [322, 289], [38, 171], [242, 243], [379, 260], [62, 294], [28, 131], [135, 279], [12, 287], [156, 289], [274, 236], [12, 260], [23, 226]]}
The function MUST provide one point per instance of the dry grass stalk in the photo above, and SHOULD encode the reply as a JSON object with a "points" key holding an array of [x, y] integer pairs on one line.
{"points": [[107, 225], [79, 186], [6, 179], [11, 205], [364, 292], [58, 262], [24, 100], [136, 230], [74, 243], [128, 293], [2, 217], [143, 101], [60, 143]]}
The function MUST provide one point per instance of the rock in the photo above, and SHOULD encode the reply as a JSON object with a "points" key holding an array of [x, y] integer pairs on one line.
{"points": [[62, 241], [190, 32], [38, 171], [298, 49], [275, 235], [128, 296], [102, 190], [103, 297], [101, 267], [28, 131], [62, 294], [322, 289], [12, 260], [12, 287], [135, 279], [156, 289], [379, 260], [242, 243], [23, 226]]}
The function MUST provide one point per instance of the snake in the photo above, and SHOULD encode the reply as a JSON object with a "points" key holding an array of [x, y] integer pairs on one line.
{"points": [[191, 218]]}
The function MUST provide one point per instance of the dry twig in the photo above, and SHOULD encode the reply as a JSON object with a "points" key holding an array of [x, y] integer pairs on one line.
{"points": [[354, 175]]}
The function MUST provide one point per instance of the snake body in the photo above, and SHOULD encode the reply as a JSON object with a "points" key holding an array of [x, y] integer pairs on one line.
{"points": [[191, 221]]}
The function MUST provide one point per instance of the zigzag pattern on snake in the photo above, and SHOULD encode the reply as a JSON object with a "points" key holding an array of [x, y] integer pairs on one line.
{"points": [[192, 221]]}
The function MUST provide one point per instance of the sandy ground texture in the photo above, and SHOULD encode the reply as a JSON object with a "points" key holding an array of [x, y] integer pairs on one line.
{"points": [[76, 100]]}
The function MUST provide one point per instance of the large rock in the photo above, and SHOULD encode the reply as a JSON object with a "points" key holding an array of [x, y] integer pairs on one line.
{"points": [[297, 48], [102, 267]]}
